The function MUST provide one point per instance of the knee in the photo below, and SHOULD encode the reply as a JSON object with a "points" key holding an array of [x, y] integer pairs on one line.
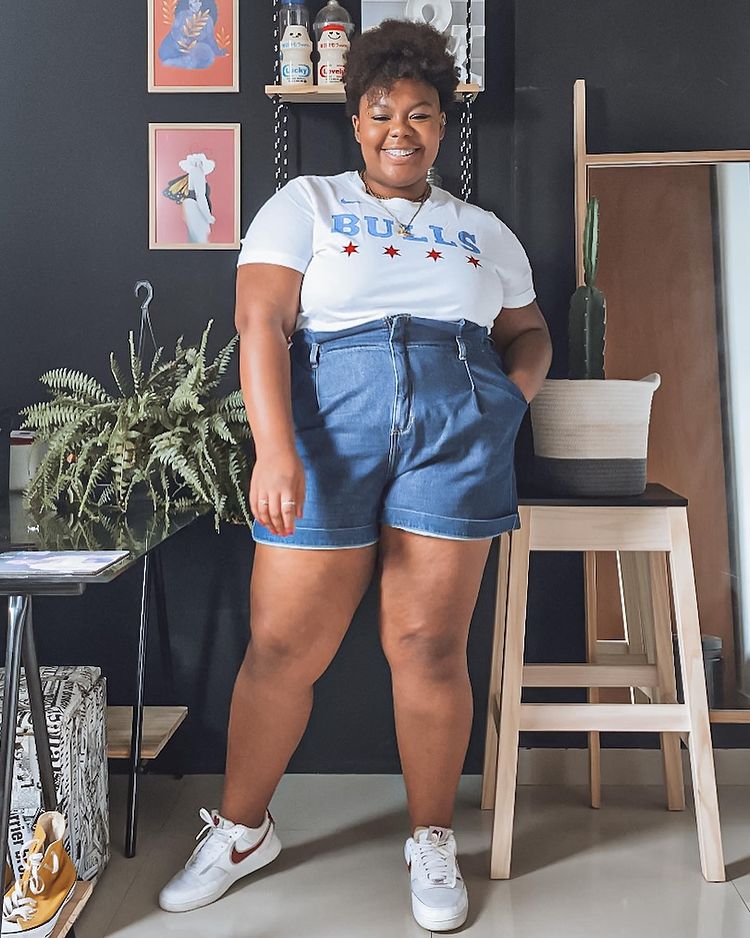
{"points": [[271, 654], [422, 652]]}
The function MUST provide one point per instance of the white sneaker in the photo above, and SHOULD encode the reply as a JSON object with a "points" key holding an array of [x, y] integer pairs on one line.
{"points": [[227, 853], [439, 899]]}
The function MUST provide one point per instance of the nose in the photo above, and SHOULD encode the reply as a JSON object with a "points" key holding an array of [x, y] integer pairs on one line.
{"points": [[399, 128]]}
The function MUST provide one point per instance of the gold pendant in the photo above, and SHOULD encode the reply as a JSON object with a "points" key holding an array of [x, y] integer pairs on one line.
{"points": [[404, 231]]}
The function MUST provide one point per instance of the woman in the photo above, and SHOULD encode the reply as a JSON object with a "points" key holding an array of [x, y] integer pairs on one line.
{"points": [[384, 437]]}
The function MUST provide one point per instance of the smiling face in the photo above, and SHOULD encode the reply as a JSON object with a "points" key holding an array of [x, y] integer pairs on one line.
{"points": [[400, 132]]}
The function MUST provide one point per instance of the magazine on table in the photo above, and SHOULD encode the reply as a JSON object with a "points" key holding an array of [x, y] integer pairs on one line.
{"points": [[19, 563]]}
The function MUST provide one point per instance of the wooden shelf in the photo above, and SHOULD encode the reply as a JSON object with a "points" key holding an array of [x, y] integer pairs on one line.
{"points": [[159, 726], [72, 908], [332, 94]]}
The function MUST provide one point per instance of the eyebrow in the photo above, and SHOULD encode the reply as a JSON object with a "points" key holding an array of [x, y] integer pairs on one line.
{"points": [[418, 104]]}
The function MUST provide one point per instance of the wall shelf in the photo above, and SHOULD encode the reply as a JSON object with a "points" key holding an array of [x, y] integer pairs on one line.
{"points": [[331, 94]]}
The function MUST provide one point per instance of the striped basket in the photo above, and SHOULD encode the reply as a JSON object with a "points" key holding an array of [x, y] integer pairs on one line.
{"points": [[591, 436]]}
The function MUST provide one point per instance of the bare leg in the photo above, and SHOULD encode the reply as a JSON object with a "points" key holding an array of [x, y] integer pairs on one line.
{"points": [[301, 605], [429, 588]]}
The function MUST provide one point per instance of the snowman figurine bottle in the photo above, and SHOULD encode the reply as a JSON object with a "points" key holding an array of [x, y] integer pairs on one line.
{"points": [[296, 62], [333, 46]]}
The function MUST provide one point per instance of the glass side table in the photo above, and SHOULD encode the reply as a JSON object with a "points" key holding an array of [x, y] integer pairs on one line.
{"points": [[141, 535]]}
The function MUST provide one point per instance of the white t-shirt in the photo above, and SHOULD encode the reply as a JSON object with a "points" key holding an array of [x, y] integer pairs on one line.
{"points": [[462, 261]]}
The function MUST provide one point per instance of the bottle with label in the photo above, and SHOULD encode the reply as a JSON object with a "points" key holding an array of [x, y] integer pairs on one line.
{"points": [[333, 26], [295, 45]]}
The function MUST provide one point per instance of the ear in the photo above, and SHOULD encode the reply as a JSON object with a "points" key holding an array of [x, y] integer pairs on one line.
{"points": [[443, 121], [355, 125]]}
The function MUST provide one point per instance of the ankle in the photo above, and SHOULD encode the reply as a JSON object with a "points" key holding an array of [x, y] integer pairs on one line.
{"points": [[247, 819]]}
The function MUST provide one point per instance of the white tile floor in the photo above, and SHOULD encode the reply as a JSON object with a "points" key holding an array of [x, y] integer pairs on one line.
{"points": [[630, 868]]}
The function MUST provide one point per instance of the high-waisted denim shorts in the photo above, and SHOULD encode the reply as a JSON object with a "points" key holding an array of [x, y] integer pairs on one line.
{"points": [[405, 421]]}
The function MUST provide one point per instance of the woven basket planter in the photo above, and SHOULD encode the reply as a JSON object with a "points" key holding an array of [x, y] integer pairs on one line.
{"points": [[591, 436]]}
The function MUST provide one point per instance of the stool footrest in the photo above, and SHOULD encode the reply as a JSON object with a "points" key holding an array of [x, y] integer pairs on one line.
{"points": [[626, 718], [590, 675]]}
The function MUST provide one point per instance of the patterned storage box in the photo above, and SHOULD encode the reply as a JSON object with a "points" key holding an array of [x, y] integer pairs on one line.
{"points": [[75, 702]]}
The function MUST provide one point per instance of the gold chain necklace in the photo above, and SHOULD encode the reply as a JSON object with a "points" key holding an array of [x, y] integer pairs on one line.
{"points": [[403, 229]]}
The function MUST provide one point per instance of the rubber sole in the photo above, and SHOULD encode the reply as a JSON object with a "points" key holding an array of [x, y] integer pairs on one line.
{"points": [[428, 919], [269, 855], [46, 928]]}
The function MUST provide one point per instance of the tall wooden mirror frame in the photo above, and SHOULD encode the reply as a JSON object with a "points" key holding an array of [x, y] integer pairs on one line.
{"points": [[583, 161]]}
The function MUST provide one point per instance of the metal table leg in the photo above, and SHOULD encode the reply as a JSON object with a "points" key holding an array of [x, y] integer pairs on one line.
{"points": [[17, 610], [162, 625], [137, 730], [38, 715]]}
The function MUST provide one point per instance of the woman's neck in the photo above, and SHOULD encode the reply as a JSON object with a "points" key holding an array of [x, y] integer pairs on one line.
{"points": [[416, 192]]}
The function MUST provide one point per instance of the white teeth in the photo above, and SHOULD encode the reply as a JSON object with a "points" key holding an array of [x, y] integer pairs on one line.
{"points": [[401, 152]]}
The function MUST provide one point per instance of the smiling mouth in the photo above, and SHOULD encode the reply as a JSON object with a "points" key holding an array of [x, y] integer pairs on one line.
{"points": [[400, 153]]}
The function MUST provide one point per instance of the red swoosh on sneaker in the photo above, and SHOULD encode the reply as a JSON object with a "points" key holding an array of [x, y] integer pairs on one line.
{"points": [[239, 855]]}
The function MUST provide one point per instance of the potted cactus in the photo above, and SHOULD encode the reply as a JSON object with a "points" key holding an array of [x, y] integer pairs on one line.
{"points": [[591, 434]]}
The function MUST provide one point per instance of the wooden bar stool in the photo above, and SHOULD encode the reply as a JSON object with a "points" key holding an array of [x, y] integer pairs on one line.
{"points": [[651, 533]]}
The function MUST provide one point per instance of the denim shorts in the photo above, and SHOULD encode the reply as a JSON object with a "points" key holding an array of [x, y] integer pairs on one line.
{"points": [[405, 421]]}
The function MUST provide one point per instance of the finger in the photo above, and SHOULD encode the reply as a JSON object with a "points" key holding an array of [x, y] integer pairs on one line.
{"points": [[275, 511], [264, 513], [288, 511]]}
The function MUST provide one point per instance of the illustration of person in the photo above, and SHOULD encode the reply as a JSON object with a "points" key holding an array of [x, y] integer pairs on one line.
{"points": [[191, 41], [192, 192]]}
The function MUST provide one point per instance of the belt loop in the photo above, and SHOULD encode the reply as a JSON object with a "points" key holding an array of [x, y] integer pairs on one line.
{"points": [[314, 354], [461, 348]]}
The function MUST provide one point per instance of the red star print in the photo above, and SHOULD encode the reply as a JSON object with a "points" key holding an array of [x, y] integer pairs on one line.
{"points": [[435, 255], [474, 261], [391, 251], [350, 249]]}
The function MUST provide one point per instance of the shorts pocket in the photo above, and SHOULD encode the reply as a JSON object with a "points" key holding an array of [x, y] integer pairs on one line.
{"points": [[495, 362], [304, 391]]}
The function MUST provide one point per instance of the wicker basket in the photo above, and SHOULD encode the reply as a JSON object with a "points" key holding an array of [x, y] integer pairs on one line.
{"points": [[591, 436]]}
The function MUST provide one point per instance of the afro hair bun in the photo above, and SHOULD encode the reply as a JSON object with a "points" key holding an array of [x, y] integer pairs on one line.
{"points": [[399, 49]]}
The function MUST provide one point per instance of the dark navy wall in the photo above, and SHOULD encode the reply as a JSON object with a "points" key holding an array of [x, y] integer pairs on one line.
{"points": [[73, 240]]}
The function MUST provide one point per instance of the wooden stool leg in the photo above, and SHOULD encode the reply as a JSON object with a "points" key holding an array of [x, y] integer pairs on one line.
{"points": [[694, 689], [649, 626], [496, 671], [592, 694], [667, 692], [510, 712]]}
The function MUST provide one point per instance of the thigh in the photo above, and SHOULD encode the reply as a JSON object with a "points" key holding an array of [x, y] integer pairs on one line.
{"points": [[302, 601], [428, 590]]}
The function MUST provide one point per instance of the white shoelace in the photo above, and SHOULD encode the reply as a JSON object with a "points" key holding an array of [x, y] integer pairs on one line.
{"points": [[18, 905], [210, 849], [436, 864]]}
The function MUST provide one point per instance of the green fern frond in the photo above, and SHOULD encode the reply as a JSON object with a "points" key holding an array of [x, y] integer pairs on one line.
{"points": [[87, 389], [124, 384], [135, 365]]}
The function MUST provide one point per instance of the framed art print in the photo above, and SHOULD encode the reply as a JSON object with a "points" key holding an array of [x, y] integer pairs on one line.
{"points": [[194, 186], [192, 45]]}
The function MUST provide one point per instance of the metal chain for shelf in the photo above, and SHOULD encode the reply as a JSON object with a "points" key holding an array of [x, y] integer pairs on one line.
{"points": [[466, 135], [280, 115]]}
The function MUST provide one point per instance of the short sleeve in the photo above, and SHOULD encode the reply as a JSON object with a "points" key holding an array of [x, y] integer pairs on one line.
{"points": [[282, 230], [514, 269]]}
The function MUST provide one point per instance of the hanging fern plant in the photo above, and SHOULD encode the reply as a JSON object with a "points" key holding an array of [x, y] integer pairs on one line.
{"points": [[162, 435]]}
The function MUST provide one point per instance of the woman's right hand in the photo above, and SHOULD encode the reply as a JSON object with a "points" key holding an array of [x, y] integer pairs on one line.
{"points": [[277, 477]]}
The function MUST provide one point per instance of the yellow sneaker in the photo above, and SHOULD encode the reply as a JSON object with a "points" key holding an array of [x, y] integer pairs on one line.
{"points": [[32, 906]]}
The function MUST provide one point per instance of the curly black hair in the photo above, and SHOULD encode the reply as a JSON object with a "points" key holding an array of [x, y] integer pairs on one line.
{"points": [[399, 49]]}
